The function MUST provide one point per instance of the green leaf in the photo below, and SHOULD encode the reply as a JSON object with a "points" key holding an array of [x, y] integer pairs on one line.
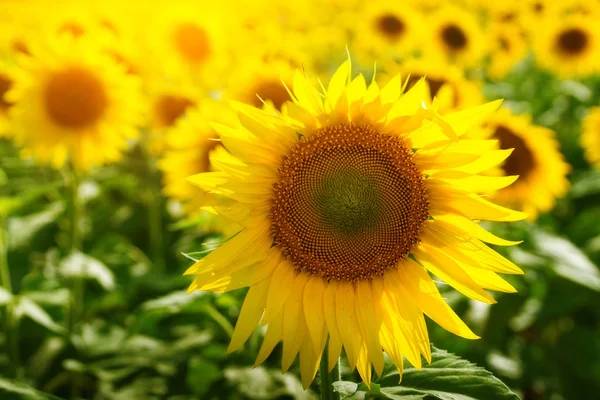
{"points": [[448, 377], [568, 260], [263, 384], [345, 388], [27, 307], [22, 229], [20, 390], [201, 375], [79, 265], [5, 296]]}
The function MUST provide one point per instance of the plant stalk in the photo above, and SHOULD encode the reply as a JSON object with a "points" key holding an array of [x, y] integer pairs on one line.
{"points": [[12, 324], [328, 377]]}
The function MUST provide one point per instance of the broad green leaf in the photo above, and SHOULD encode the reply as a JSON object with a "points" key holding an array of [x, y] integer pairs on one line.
{"points": [[79, 265], [345, 388], [586, 184], [174, 302], [568, 260], [201, 374], [5, 296], [448, 377], [10, 389], [263, 384], [27, 307], [22, 229]]}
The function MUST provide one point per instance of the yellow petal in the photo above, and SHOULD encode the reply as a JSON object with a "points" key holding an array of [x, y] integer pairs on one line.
{"points": [[369, 323], [294, 325], [335, 342], [347, 321], [314, 310], [279, 289], [250, 314], [427, 297], [274, 334], [447, 269]]}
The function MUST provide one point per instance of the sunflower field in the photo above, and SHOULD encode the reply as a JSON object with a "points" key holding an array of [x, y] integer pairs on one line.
{"points": [[334, 199]]}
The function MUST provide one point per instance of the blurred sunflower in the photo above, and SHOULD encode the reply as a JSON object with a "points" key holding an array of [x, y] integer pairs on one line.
{"points": [[168, 101], [185, 42], [456, 36], [191, 143], [71, 102], [342, 219], [507, 49], [536, 159], [569, 46], [262, 82], [590, 139], [388, 29], [445, 82], [6, 83]]}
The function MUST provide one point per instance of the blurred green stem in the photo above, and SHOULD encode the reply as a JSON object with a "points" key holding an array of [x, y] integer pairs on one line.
{"points": [[153, 200], [219, 319], [76, 244], [327, 378], [12, 324]]}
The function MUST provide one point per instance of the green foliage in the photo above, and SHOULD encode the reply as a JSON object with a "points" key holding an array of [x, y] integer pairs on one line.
{"points": [[448, 377]]}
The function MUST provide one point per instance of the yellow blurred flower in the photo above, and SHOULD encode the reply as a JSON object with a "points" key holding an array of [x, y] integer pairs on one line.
{"points": [[536, 159], [191, 143], [507, 48], [568, 46], [590, 138], [261, 82], [6, 83], [387, 29], [71, 102], [445, 82], [456, 36]]}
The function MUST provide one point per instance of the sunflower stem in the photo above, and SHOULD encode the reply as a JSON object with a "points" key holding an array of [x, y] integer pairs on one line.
{"points": [[78, 284], [12, 324], [153, 198], [76, 244], [328, 377]]}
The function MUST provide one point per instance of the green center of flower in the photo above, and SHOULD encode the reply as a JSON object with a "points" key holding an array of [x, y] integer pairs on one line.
{"points": [[349, 204], [348, 201]]}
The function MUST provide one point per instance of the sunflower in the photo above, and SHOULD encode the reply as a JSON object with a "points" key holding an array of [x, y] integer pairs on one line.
{"points": [[388, 29], [168, 101], [536, 159], [507, 49], [261, 84], [568, 46], [184, 42], [590, 139], [446, 82], [6, 83], [190, 142], [456, 36], [342, 217], [70, 101]]}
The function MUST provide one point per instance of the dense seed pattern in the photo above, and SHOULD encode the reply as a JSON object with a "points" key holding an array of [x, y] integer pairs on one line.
{"points": [[349, 204], [521, 161], [75, 98]]}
